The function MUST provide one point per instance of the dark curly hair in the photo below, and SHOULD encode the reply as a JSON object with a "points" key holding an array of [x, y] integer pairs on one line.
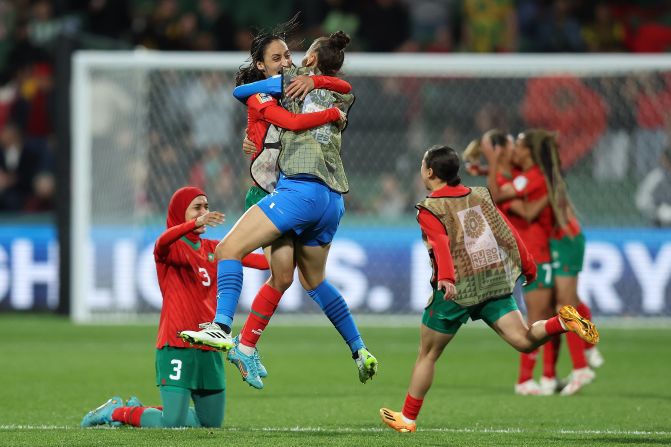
{"points": [[262, 38]]}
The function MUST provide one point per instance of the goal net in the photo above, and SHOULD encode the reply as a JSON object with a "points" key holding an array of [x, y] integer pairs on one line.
{"points": [[145, 124]]}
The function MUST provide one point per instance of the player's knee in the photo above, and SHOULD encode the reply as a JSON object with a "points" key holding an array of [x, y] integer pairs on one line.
{"points": [[226, 250], [523, 345], [281, 281]]}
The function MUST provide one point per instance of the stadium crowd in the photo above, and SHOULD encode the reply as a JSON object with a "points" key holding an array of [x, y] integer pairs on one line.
{"points": [[30, 30]]}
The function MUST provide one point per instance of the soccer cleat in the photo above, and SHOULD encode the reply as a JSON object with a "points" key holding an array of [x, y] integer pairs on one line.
{"points": [[263, 372], [247, 365], [210, 335], [578, 379], [594, 357], [528, 388], [584, 328], [394, 419], [103, 414], [133, 401], [548, 386], [366, 363]]}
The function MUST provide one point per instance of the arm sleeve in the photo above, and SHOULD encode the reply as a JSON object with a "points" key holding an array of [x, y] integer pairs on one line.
{"points": [[271, 85], [528, 263], [170, 236], [255, 261], [332, 83], [281, 117], [440, 243]]}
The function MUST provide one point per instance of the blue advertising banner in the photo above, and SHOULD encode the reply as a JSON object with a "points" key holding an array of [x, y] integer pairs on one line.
{"points": [[377, 269]]}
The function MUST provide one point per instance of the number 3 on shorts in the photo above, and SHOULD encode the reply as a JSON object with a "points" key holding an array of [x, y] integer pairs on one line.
{"points": [[177, 367]]}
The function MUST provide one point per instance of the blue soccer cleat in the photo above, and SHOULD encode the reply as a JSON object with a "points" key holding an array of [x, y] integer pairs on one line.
{"points": [[263, 372], [247, 365], [133, 401], [103, 414]]}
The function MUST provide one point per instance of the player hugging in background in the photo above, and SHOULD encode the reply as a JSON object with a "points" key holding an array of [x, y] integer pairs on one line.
{"points": [[477, 257], [186, 267], [302, 213], [526, 181]]}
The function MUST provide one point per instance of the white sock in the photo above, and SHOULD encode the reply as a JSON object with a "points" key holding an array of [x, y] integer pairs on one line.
{"points": [[247, 350], [406, 420]]}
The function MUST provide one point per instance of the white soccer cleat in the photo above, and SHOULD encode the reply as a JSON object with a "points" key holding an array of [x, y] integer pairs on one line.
{"points": [[594, 357], [528, 388], [549, 386], [210, 335], [578, 379]]}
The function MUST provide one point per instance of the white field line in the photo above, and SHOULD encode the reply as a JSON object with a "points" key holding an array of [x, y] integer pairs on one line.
{"points": [[298, 429]]}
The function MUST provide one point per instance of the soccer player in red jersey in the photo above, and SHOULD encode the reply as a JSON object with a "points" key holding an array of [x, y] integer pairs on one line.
{"points": [[185, 264], [568, 247], [477, 257]]}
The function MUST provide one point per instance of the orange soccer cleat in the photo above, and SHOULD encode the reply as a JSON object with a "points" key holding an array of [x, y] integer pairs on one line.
{"points": [[581, 326], [395, 420]]}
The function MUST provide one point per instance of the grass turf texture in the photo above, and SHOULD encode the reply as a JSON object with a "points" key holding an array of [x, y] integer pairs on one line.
{"points": [[53, 372]]}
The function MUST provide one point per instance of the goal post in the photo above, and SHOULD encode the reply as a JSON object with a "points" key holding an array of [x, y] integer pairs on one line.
{"points": [[145, 123]]}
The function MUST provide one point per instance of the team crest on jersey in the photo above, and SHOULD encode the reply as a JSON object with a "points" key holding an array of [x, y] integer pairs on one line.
{"points": [[210, 257], [520, 182], [263, 97]]}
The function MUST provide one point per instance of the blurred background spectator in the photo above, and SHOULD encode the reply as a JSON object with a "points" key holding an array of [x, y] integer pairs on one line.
{"points": [[625, 113], [653, 197]]}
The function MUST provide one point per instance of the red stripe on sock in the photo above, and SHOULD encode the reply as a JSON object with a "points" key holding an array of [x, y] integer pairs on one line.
{"points": [[550, 356], [263, 308], [411, 407], [585, 312], [576, 349], [128, 415], [553, 326], [527, 363]]}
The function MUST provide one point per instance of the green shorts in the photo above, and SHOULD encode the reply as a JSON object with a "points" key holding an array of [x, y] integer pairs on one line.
{"points": [[447, 316], [254, 194], [544, 278], [567, 255], [190, 368]]}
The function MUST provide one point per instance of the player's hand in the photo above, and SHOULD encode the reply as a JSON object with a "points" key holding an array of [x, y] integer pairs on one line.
{"points": [[211, 219], [300, 87], [449, 289], [342, 121], [248, 147]]}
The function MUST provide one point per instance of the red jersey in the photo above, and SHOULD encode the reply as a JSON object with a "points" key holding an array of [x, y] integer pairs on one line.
{"points": [[572, 228], [187, 276], [437, 237], [264, 110], [530, 186]]}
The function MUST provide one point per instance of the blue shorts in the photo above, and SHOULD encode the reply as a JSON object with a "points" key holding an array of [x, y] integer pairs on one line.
{"points": [[306, 207]]}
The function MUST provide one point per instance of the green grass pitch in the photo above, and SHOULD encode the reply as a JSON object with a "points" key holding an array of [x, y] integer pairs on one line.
{"points": [[52, 372]]}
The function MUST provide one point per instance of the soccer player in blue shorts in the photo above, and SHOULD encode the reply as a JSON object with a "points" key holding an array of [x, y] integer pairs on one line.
{"points": [[307, 202]]}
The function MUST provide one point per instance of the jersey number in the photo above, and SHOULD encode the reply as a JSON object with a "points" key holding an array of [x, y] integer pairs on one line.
{"points": [[206, 277], [177, 368], [548, 272]]}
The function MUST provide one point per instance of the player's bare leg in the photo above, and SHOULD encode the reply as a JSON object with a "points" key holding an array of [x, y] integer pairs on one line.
{"points": [[311, 262], [431, 347], [253, 230], [539, 303]]}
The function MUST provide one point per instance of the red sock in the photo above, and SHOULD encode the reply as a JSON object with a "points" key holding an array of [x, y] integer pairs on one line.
{"points": [[527, 363], [585, 312], [411, 407], [576, 348], [550, 356], [263, 308], [553, 326], [128, 415]]}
